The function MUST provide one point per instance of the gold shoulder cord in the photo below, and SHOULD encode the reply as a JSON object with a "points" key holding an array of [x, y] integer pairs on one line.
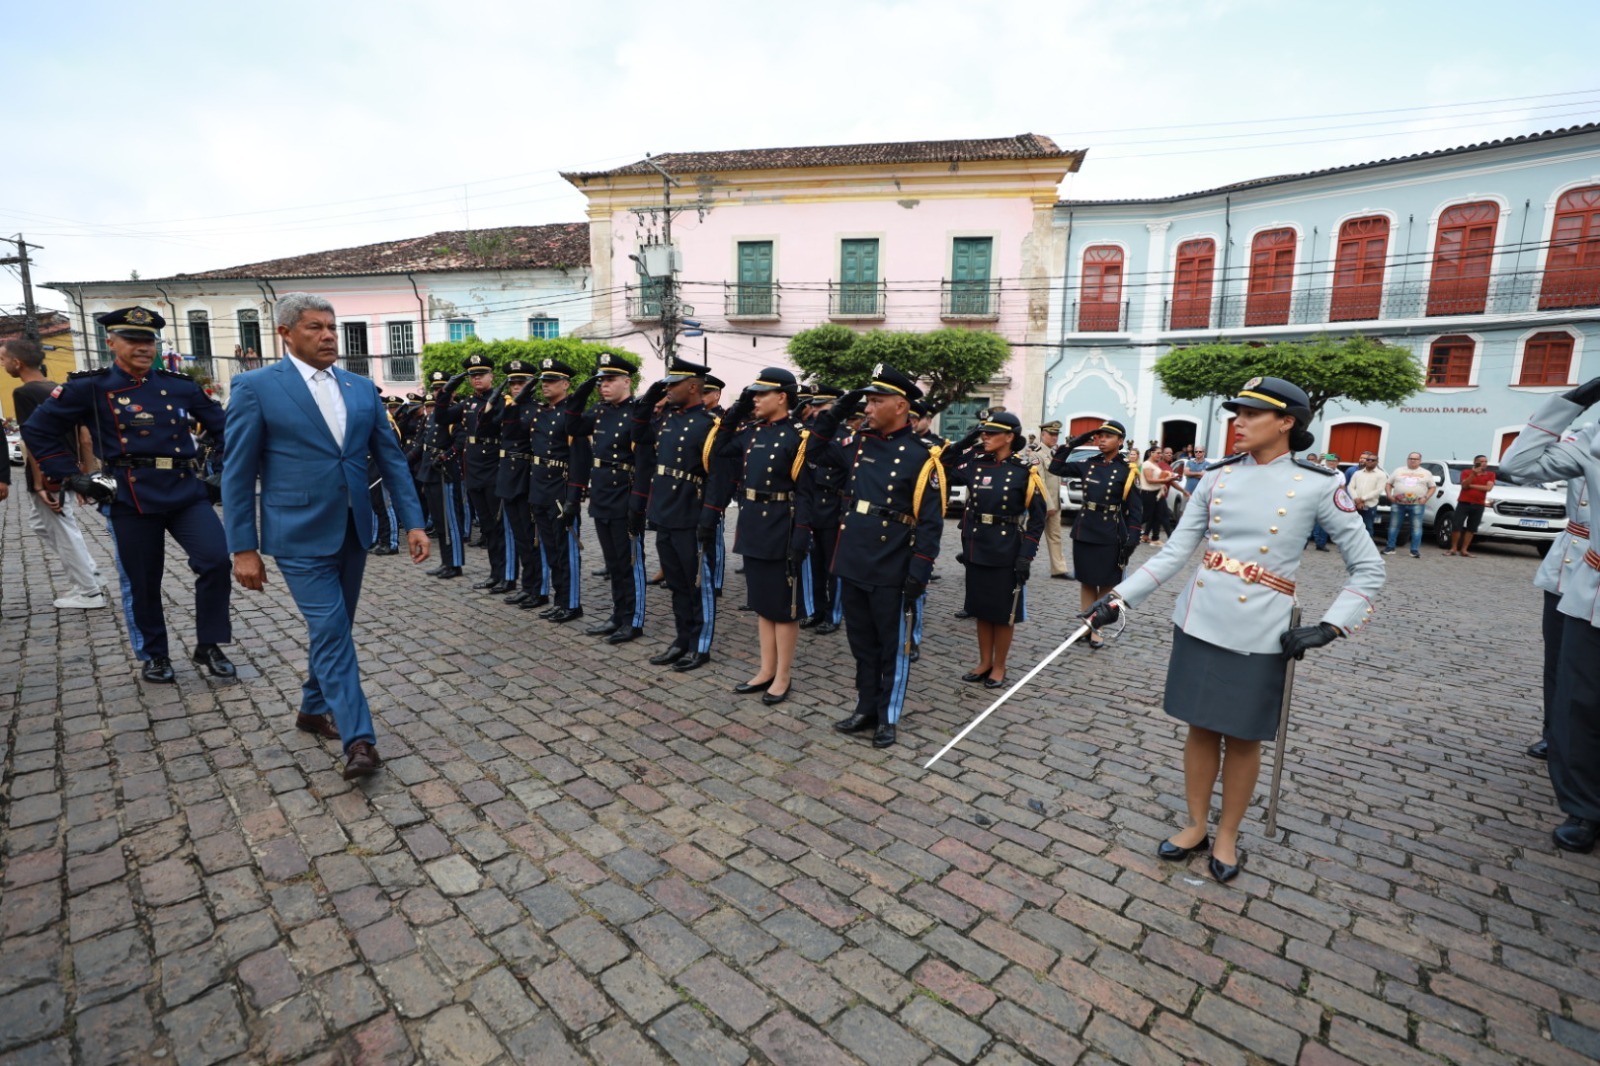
{"points": [[711, 440], [799, 457]]}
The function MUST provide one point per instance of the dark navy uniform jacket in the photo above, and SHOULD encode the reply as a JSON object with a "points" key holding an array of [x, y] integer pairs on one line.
{"points": [[440, 442], [882, 540], [550, 456], [516, 420], [766, 472], [481, 422], [827, 485], [1005, 512], [1112, 512], [670, 466], [608, 476], [143, 420]]}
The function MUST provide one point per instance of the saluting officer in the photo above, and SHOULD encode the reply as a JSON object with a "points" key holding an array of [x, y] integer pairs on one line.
{"points": [[770, 481], [608, 479], [139, 423], [1232, 625], [386, 540], [1000, 531], [550, 481], [827, 609], [711, 396], [888, 540], [481, 423], [1107, 528], [672, 460], [440, 441], [518, 408]]}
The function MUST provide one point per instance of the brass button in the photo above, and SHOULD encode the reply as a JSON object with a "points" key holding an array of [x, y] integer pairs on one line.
{"points": [[1216, 536], [1282, 510], [1199, 584], [1289, 493], [1265, 549], [1299, 477], [1216, 499], [1243, 598], [1271, 529], [1217, 520]]}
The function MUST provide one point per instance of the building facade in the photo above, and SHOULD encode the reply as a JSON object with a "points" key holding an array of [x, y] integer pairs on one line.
{"points": [[1484, 261], [60, 354], [909, 236]]}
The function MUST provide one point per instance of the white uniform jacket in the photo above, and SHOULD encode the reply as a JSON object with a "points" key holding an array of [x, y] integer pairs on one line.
{"points": [[1541, 453]]}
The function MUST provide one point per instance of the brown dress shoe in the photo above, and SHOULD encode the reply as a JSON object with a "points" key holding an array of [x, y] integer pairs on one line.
{"points": [[362, 761], [318, 724]]}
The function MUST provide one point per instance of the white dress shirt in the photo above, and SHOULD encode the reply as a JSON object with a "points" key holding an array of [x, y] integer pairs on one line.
{"points": [[325, 391]]}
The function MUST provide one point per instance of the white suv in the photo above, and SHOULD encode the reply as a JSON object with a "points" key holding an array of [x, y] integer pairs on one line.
{"points": [[1525, 514]]}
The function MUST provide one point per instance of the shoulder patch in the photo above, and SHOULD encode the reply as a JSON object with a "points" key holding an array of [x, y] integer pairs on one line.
{"points": [[56, 391], [1307, 464], [97, 372], [1342, 499]]}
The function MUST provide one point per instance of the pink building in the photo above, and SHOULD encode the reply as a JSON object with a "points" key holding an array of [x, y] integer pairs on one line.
{"points": [[907, 236]]}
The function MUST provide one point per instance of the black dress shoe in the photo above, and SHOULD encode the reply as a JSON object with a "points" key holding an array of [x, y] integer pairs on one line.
{"points": [[984, 676], [486, 583], [385, 550], [772, 699], [884, 737], [916, 652], [824, 628], [810, 620], [1061, 577], [1576, 834], [1540, 750], [963, 613], [159, 670], [602, 629], [744, 688], [692, 662], [746, 607], [520, 596], [625, 634], [436, 571], [671, 655], [857, 723], [500, 588], [210, 656], [449, 572], [1173, 853], [1223, 872], [533, 603], [993, 682], [598, 573], [566, 614]]}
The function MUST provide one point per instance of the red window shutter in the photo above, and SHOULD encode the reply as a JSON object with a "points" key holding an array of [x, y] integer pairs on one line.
{"points": [[1230, 436], [1461, 257], [1572, 269], [1546, 359], [1358, 270], [1191, 284], [1271, 278], [1100, 293], [1349, 439], [1084, 424], [1507, 439], [1450, 361]]}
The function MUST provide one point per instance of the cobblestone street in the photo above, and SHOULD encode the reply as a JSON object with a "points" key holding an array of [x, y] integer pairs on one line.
{"points": [[573, 856]]}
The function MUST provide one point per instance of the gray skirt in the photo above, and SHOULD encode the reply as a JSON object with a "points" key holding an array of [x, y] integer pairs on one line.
{"points": [[1237, 694]]}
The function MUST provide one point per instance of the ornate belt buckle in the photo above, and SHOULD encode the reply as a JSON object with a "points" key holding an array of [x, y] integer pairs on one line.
{"points": [[1250, 572], [163, 463]]}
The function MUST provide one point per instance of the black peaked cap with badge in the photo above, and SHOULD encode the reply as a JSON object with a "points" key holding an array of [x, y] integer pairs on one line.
{"points": [[609, 364], [476, 363], [825, 394], [1273, 394], [887, 381], [773, 378], [1003, 422], [134, 323], [438, 377], [519, 368], [682, 370], [714, 382], [1110, 425], [555, 370]]}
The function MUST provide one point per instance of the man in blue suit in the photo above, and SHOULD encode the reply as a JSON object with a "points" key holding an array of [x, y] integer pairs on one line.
{"points": [[304, 429]]}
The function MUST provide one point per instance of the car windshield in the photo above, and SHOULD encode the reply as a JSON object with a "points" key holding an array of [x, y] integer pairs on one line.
{"points": [[1456, 469]]}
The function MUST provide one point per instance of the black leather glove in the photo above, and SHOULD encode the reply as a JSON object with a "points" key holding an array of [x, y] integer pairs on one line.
{"points": [[707, 536], [968, 441], [1103, 612], [652, 396], [742, 409], [101, 488], [914, 589], [799, 549], [1077, 442], [566, 513], [580, 396], [635, 523], [452, 385], [961, 558], [1587, 394], [849, 404], [1301, 639], [1124, 553], [1021, 568]]}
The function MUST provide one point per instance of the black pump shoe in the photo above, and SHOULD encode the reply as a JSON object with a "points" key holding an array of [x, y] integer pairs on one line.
{"points": [[1222, 871], [979, 676], [1176, 853], [744, 688], [772, 699], [1576, 834]]}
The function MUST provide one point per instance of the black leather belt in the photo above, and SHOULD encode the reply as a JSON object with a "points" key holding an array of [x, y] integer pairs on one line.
{"points": [[1002, 520], [512, 455], [539, 460], [767, 497], [1103, 508], [154, 463], [681, 475], [613, 465], [863, 507]]}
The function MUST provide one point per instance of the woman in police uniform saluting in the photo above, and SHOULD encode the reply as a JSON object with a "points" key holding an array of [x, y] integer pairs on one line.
{"points": [[1233, 629], [1000, 531], [1108, 526]]}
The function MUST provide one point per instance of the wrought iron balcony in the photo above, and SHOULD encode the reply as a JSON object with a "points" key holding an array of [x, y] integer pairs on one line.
{"points": [[357, 364], [1100, 317], [857, 299], [400, 367], [643, 302], [969, 300], [746, 302]]}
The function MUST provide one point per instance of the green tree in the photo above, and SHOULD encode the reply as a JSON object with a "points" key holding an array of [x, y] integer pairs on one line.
{"points": [[581, 355], [949, 363], [1354, 368]]}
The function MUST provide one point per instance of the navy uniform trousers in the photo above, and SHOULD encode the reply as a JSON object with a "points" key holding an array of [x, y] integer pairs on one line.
{"points": [[624, 556], [875, 622], [690, 577], [1574, 724], [142, 551]]}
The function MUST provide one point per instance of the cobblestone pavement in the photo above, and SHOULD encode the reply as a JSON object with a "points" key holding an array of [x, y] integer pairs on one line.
{"points": [[575, 857]]}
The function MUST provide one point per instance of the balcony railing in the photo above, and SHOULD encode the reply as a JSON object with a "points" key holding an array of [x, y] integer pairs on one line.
{"points": [[857, 299], [358, 364], [400, 367], [969, 300], [1100, 317], [643, 303], [747, 302]]}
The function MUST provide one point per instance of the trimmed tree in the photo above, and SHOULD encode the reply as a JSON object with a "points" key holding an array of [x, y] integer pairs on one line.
{"points": [[1356, 368], [581, 355], [950, 363]]}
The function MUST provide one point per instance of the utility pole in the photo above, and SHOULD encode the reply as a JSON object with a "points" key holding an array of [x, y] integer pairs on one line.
{"points": [[30, 327], [669, 282]]}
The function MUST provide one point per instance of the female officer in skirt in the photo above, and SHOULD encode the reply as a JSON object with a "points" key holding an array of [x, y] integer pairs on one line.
{"points": [[1000, 531], [1108, 525], [760, 456], [1233, 631]]}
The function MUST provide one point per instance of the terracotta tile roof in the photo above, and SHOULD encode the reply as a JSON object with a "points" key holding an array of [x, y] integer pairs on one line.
{"points": [[1022, 146], [1253, 183], [562, 244], [49, 322]]}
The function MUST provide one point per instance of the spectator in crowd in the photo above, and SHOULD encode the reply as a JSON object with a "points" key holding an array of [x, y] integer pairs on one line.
{"points": [[1367, 485], [1038, 454], [1410, 489], [1154, 477], [1475, 486], [1319, 536]]}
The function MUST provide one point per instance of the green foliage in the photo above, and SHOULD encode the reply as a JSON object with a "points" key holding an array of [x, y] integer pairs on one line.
{"points": [[449, 356], [1355, 368], [948, 363]]}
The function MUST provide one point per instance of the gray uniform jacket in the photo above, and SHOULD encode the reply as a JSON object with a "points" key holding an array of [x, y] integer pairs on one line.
{"points": [[1566, 551], [1541, 453], [1249, 516]]}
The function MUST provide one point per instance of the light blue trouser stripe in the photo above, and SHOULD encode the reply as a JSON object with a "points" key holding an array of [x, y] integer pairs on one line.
{"points": [[722, 554], [708, 605], [837, 616], [1022, 605], [452, 514], [544, 571], [394, 523], [808, 604], [902, 672], [916, 630], [639, 586], [135, 637], [574, 568], [508, 570]]}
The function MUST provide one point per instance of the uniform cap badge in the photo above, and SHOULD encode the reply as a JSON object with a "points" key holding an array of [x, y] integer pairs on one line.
{"points": [[1253, 383], [877, 371]]}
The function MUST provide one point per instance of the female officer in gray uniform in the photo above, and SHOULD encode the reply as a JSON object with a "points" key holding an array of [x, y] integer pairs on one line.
{"points": [[1253, 512]]}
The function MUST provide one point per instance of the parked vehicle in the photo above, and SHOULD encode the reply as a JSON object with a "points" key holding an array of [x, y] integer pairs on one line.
{"points": [[1521, 514], [14, 447]]}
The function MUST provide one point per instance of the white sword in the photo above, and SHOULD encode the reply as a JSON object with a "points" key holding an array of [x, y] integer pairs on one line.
{"points": [[1046, 661]]}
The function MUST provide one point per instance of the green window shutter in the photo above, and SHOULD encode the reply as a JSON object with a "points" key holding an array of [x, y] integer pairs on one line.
{"points": [[755, 277], [969, 283], [858, 277]]}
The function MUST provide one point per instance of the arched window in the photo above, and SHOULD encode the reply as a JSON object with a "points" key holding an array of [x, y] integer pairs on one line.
{"points": [[1461, 257], [1358, 270], [1083, 424], [1572, 269], [1348, 440], [1100, 294], [1450, 361], [1546, 359], [1271, 278], [1191, 284]]}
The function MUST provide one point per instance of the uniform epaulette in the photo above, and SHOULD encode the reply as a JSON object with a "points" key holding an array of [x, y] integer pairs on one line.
{"points": [[1318, 467], [172, 373], [1237, 457], [97, 372]]}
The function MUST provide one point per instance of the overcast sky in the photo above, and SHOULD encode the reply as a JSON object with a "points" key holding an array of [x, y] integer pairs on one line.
{"points": [[165, 137]]}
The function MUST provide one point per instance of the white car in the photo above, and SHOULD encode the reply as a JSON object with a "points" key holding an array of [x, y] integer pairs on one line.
{"points": [[14, 447], [1522, 514]]}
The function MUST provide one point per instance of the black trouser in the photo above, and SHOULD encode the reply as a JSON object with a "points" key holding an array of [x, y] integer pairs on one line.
{"points": [[142, 550], [524, 541], [875, 622], [823, 586], [560, 554], [386, 532], [694, 603], [1575, 721], [1551, 624], [427, 508], [487, 507], [448, 507], [624, 556]]}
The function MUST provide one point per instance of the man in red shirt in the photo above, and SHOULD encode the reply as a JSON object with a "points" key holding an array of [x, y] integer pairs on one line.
{"points": [[1475, 486]]}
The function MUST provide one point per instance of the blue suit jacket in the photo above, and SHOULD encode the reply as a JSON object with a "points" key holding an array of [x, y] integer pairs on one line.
{"points": [[310, 485]]}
